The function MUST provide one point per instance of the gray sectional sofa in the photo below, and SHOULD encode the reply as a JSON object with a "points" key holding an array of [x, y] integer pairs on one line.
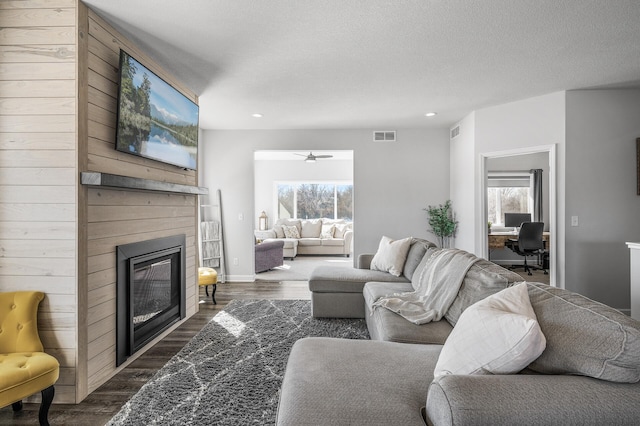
{"points": [[588, 373]]}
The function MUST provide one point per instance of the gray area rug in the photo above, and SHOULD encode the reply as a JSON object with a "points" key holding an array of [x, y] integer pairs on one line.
{"points": [[300, 268], [231, 371]]}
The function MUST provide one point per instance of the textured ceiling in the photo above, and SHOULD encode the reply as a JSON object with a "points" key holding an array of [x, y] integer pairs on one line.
{"points": [[378, 64]]}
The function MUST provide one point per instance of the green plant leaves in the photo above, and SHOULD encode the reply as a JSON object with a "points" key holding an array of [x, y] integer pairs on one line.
{"points": [[441, 220]]}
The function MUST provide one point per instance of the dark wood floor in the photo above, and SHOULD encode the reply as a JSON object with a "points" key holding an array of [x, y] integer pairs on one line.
{"points": [[106, 401]]}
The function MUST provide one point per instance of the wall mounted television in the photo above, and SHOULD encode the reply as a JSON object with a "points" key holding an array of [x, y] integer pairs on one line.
{"points": [[155, 120]]}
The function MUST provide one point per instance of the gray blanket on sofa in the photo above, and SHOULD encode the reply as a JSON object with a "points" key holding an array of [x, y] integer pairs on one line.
{"points": [[438, 286]]}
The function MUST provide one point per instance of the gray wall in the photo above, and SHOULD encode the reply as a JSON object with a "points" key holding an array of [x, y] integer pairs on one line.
{"points": [[602, 127], [393, 182]]}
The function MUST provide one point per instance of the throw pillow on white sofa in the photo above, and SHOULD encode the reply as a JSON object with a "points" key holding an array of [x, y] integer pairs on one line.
{"points": [[340, 229], [327, 231], [497, 335], [311, 228], [291, 231]]}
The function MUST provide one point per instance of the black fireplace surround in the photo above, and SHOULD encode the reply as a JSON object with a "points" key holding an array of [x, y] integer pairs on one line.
{"points": [[150, 291]]}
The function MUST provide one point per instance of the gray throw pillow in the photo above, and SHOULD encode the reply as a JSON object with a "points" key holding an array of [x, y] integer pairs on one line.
{"points": [[585, 337], [483, 279], [416, 253]]}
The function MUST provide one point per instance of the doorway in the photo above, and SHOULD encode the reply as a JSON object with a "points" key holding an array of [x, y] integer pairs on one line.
{"points": [[287, 185], [518, 161]]}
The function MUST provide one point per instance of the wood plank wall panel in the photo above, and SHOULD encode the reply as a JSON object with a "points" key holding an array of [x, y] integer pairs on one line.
{"points": [[115, 217], [38, 169], [58, 90]]}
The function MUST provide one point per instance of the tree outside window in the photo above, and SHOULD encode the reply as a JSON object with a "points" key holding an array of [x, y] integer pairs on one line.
{"points": [[286, 201], [501, 200], [315, 201], [344, 195]]}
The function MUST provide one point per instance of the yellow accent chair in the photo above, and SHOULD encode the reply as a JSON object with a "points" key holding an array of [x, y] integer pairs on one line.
{"points": [[24, 367]]}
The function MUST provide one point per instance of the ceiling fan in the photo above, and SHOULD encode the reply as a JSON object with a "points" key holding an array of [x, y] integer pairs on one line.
{"points": [[311, 158]]}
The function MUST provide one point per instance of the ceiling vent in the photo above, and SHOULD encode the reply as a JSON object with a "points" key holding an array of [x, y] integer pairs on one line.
{"points": [[455, 132], [384, 136]]}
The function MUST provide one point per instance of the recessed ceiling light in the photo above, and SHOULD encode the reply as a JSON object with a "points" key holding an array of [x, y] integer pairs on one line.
{"points": [[430, 114], [256, 115]]}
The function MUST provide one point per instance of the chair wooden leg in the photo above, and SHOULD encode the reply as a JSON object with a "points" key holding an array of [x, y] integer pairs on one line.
{"points": [[47, 398], [17, 406]]}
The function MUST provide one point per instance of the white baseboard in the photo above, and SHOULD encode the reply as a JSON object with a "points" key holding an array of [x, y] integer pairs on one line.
{"points": [[240, 278]]}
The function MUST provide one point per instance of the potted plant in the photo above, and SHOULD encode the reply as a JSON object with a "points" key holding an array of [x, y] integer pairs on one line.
{"points": [[442, 222]]}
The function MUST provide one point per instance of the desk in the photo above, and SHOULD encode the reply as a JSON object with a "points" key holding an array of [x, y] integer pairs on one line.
{"points": [[498, 239]]}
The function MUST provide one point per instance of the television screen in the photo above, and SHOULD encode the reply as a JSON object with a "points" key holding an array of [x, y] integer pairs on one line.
{"points": [[155, 120]]}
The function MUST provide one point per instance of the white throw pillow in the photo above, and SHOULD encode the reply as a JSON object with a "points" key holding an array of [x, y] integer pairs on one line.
{"points": [[497, 335], [291, 231], [279, 231], [327, 231], [391, 255], [311, 228], [340, 229]]}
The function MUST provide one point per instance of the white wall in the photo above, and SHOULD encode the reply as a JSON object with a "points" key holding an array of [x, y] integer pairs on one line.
{"points": [[602, 127], [269, 172], [462, 183], [393, 182], [520, 125]]}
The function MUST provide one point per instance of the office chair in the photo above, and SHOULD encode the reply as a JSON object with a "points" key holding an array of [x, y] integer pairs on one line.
{"points": [[529, 243]]}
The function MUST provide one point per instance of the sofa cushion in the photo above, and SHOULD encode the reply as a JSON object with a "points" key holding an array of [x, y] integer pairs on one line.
{"points": [[585, 337], [311, 228], [391, 255], [288, 242], [355, 382], [291, 231], [497, 335], [414, 256], [309, 242], [337, 279], [386, 325], [334, 242], [483, 279]]}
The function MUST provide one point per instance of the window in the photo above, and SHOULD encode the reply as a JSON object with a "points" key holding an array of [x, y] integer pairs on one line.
{"points": [[309, 200], [508, 194]]}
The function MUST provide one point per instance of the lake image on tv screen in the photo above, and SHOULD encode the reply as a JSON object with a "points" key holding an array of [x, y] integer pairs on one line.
{"points": [[154, 119]]}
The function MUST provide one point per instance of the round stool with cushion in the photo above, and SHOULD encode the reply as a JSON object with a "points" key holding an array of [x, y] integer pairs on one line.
{"points": [[207, 277]]}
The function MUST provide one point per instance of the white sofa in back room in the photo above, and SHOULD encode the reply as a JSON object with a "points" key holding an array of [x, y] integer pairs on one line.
{"points": [[311, 236]]}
